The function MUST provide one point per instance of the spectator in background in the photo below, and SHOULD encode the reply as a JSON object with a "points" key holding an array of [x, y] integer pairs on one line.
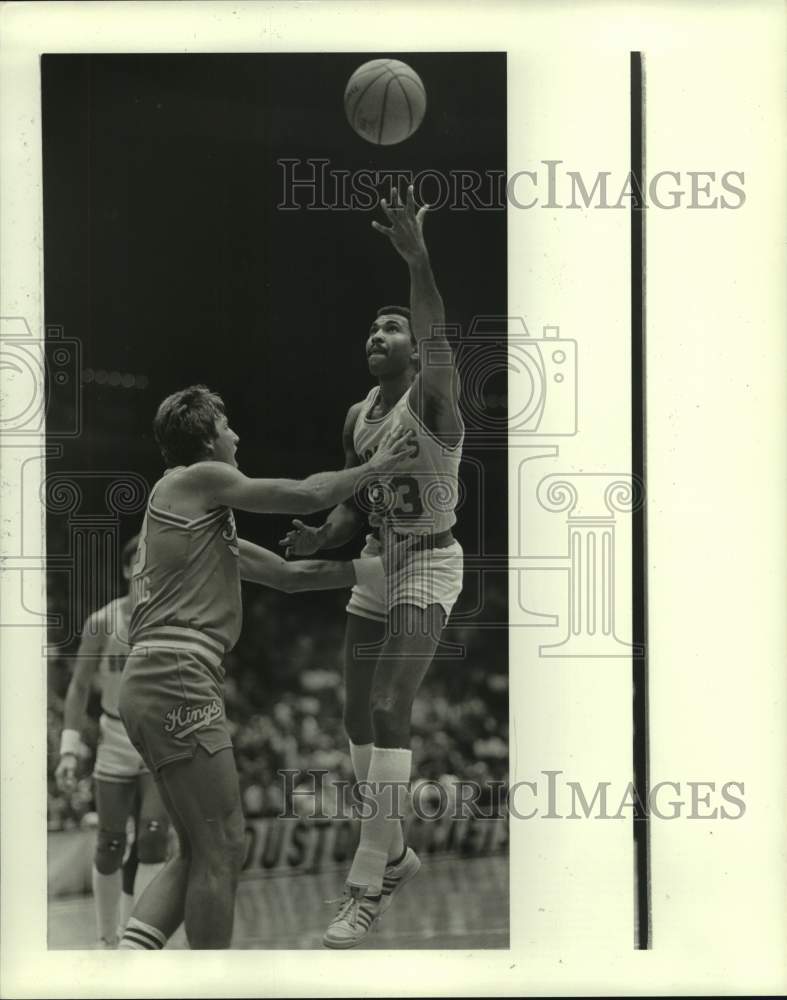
{"points": [[283, 692]]}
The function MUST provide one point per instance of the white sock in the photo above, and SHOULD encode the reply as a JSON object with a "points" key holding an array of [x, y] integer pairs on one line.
{"points": [[360, 755], [146, 872], [140, 936], [106, 896], [126, 909], [387, 765]]}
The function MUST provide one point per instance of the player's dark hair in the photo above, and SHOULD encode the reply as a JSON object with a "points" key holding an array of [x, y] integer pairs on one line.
{"points": [[185, 424], [129, 551], [394, 311], [398, 311]]}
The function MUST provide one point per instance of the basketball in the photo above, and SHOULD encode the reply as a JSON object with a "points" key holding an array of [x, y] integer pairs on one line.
{"points": [[385, 101]]}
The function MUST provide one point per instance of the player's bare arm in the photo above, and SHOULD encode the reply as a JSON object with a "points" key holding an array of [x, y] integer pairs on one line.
{"points": [[344, 521], [211, 484], [260, 565], [436, 388], [88, 655]]}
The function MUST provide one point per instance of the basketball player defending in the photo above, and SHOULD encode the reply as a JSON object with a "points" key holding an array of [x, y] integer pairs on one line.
{"points": [[393, 629], [186, 615], [123, 784]]}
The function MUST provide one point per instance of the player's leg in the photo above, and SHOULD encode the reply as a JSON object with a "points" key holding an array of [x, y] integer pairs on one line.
{"points": [[407, 651], [363, 638], [205, 795], [129, 874], [363, 641], [404, 659], [367, 613], [152, 833], [159, 910], [198, 784], [114, 804]]}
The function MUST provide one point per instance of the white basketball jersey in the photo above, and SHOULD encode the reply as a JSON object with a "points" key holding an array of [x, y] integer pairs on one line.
{"points": [[420, 497], [113, 655]]}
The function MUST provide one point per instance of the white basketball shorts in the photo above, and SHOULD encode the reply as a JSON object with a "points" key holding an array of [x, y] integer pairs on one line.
{"points": [[427, 576], [116, 757]]}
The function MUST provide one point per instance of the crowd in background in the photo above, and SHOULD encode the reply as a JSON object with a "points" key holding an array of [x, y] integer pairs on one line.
{"points": [[284, 692]]}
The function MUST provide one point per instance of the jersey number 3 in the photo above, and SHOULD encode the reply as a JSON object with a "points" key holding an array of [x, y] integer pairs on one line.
{"points": [[408, 497]]}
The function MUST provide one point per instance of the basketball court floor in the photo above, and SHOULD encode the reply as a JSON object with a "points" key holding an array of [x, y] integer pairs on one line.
{"points": [[454, 902]]}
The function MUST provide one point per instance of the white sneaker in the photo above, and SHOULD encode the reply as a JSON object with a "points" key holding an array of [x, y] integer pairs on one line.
{"points": [[396, 876], [355, 918]]}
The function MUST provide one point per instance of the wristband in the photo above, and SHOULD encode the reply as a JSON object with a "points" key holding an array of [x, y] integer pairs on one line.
{"points": [[70, 742], [368, 572]]}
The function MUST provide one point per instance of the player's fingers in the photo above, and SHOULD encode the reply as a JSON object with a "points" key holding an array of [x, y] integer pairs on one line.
{"points": [[411, 202], [407, 440], [421, 215], [397, 206], [396, 434], [382, 229], [387, 208], [297, 524], [388, 443], [401, 445]]}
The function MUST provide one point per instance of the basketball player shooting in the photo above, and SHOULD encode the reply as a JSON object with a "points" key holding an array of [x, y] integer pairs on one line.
{"points": [[394, 627]]}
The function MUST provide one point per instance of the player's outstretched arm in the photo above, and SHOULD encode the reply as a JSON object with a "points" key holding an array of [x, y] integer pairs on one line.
{"points": [[345, 519], [88, 656], [259, 565], [437, 383], [220, 483]]}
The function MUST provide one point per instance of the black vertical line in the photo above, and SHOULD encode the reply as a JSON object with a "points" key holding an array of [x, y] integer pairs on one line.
{"points": [[639, 574]]}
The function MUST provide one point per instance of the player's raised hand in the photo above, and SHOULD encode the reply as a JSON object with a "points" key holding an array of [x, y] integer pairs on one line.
{"points": [[302, 539], [394, 447], [66, 773], [406, 231]]}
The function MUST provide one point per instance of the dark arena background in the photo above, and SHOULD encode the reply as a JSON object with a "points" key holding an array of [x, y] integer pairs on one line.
{"points": [[176, 253]]}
